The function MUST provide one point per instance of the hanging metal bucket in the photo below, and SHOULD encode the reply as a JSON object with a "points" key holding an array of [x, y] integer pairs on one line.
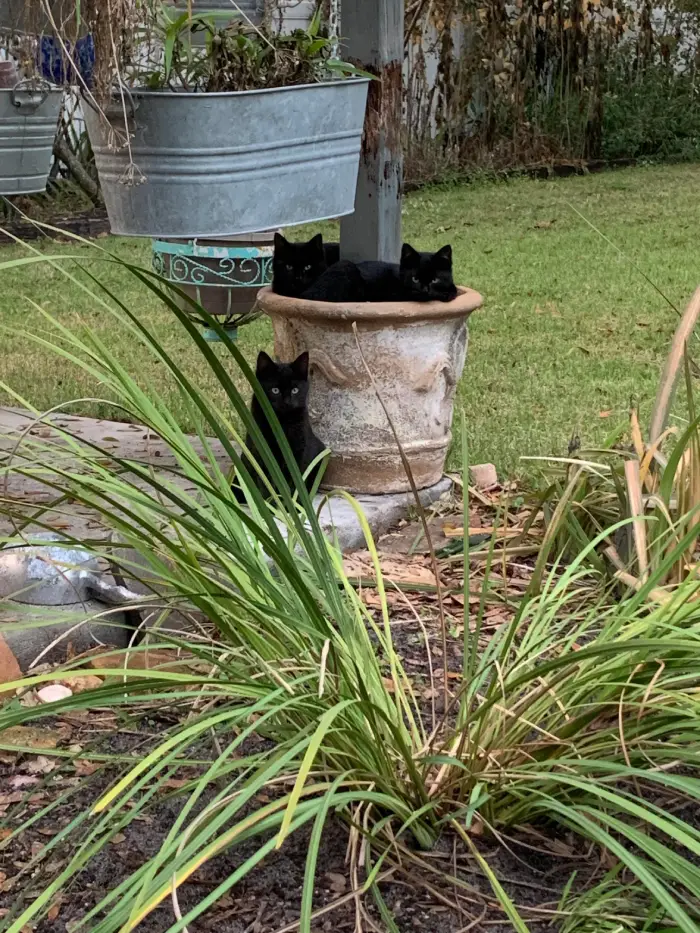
{"points": [[223, 276], [28, 121], [218, 165]]}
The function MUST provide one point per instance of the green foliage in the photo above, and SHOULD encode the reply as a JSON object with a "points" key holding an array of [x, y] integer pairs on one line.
{"points": [[639, 503], [574, 715], [653, 116], [210, 52], [543, 82]]}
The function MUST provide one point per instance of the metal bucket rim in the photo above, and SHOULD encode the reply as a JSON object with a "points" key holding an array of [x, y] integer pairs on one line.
{"points": [[199, 95], [53, 89]]}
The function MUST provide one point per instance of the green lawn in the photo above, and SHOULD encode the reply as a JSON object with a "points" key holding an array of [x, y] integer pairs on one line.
{"points": [[568, 333]]}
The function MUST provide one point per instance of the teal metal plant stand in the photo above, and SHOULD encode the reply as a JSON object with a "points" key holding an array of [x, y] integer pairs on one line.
{"points": [[223, 276]]}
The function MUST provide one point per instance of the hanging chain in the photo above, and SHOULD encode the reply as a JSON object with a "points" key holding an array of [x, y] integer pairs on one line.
{"points": [[334, 27]]}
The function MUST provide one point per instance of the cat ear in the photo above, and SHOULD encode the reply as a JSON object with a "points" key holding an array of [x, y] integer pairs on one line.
{"points": [[281, 243], [316, 243], [409, 256], [301, 366], [265, 364], [444, 256]]}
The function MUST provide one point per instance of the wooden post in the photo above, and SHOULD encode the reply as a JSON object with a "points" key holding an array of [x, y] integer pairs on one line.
{"points": [[374, 31]]}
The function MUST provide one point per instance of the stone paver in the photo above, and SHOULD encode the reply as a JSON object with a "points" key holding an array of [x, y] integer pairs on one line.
{"points": [[135, 442], [86, 625]]}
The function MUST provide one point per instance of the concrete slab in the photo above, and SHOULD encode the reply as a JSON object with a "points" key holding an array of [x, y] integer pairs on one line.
{"points": [[135, 442], [337, 517]]}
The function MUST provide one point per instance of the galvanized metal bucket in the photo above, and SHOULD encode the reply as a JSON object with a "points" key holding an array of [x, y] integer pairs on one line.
{"points": [[217, 165], [28, 121]]}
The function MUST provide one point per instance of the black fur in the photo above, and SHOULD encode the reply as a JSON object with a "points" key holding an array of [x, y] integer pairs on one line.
{"points": [[341, 282], [419, 277], [427, 276], [296, 266], [286, 386]]}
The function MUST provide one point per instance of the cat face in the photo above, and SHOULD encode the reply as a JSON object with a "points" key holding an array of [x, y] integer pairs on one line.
{"points": [[285, 384], [296, 266], [428, 275]]}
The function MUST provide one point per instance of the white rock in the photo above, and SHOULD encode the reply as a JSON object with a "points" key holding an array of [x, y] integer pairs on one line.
{"points": [[53, 693]]}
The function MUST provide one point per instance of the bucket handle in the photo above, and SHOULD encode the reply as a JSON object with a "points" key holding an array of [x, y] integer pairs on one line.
{"points": [[114, 108], [28, 95]]}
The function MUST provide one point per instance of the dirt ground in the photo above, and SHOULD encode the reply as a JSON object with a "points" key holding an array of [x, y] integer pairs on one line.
{"points": [[533, 868]]}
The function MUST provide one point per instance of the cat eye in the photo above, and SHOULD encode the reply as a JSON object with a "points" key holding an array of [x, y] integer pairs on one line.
{"points": [[295, 391], [275, 391], [307, 268], [416, 280], [289, 268]]}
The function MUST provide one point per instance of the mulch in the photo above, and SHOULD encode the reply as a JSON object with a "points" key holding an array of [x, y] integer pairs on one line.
{"points": [[89, 224], [534, 869]]}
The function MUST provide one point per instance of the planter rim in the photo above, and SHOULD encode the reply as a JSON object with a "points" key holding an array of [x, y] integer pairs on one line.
{"points": [[168, 92], [372, 312]]}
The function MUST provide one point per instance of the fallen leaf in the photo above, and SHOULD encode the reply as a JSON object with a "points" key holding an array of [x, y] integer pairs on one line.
{"points": [[81, 684], [23, 780], [166, 659], [604, 414], [9, 668], [30, 737], [176, 783], [544, 224], [85, 768], [119, 838], [14, 797], [41, 765]]}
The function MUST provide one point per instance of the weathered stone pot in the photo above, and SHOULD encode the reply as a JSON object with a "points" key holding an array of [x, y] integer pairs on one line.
{"points": [[416, 353]]}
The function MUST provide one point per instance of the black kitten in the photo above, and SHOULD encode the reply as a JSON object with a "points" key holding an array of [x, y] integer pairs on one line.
{"points": [[296, 266], [418, 277], [286, 386], [341, 282], [427, 276]]}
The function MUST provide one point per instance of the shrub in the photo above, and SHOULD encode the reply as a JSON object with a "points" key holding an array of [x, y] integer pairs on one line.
{"points": [[581, 715]]}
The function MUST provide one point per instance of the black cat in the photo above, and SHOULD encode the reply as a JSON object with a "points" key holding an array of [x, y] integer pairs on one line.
{"points": [[427, 276], [286, 386], [341, 282], [418, 277], [296, 266]]}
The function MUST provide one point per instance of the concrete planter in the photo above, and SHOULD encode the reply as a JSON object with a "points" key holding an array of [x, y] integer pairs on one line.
{"points": [[219, 165], [416, 353]]}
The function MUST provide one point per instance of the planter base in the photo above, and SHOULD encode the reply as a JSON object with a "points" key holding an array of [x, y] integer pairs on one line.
{"points": [[378, 471]]}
